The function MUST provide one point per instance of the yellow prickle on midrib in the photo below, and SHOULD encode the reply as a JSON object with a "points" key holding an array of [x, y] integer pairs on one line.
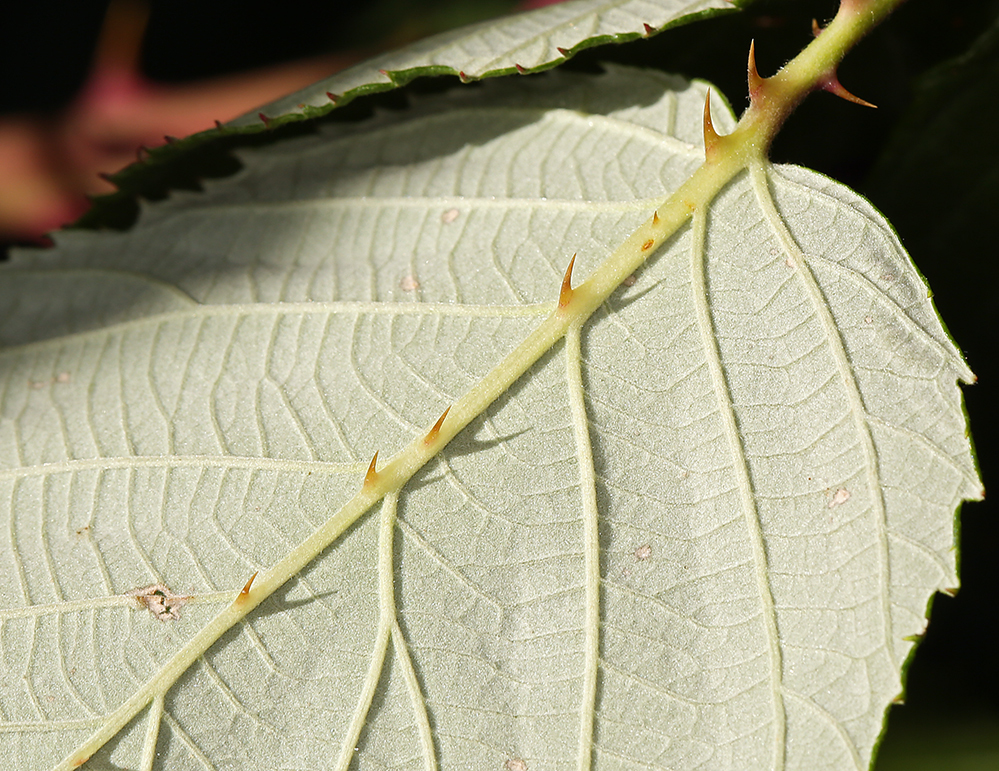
{"points": [[731, 154]]}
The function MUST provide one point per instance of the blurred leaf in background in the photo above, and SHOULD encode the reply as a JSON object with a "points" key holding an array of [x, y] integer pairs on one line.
{"points": [[86, 89]]}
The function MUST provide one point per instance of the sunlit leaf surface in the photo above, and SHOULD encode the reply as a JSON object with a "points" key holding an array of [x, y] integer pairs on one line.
{"points": [[698, 534]]}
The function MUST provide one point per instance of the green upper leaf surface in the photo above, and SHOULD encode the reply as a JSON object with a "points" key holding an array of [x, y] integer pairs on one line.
{"points": [[758, 443], [530, 40]]}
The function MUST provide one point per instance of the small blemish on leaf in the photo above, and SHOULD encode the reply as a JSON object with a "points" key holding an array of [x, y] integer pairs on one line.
{"points": [[648, 245], [160, 600], [62, 377], [449, 216], [841, 496], [630, 281], [515, 764], [643, 552], [868, 319], [409, 284]]}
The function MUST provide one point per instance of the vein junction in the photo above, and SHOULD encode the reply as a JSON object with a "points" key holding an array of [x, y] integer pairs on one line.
{"points": [[727, 157]]}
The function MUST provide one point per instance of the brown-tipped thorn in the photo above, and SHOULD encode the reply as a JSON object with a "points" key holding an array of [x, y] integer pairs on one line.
{"points": [[371, 475], [332, 97], [520, 69], [246, 587], [833, 86], [655, 218], [755, 81], [434, 432], [218, 123], [565, 293], [463, 77], [169, 139], [564, 52], [816, 29], [649, 30], [711, 138], [264, 118]]}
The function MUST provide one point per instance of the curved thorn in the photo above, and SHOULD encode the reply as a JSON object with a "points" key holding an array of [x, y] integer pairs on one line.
{"points": [[463, 77], [655, 217], [833, 86], [246, 587], [649, 30], [565, 293], [755, 81], [563, 51], [371, 475], [816, 29], [332, 97], [218, 123], [711, 138], [520, 69], [264, 118], [432, 434]]}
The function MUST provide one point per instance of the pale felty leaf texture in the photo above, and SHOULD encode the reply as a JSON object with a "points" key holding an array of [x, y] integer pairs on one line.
{"points": [[698, 534]]}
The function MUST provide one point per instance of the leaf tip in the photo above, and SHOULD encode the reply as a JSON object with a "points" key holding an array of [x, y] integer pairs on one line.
{"points": [[434, 432], [565, 293], [371, 476]]}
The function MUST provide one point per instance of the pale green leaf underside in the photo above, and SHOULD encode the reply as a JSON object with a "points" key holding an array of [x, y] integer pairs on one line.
{"points": [[765, 427], [531, 39]]}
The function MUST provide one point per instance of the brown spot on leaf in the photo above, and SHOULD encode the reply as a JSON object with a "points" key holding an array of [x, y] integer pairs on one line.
{"points": [[515, 764], [643, 552], [160, 600]]}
